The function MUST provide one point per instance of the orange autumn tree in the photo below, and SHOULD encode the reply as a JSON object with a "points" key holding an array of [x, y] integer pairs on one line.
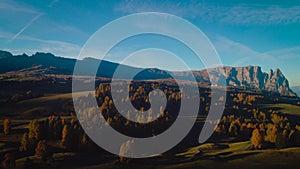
{"points": [[6, 126], [41, 150], [257, 139]]}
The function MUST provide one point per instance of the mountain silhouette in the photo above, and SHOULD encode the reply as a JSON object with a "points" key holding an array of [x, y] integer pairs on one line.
{"points": [[249, 76]]}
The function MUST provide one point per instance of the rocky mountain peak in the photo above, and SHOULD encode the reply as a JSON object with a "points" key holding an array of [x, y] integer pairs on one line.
{"points": [[254, 77]]}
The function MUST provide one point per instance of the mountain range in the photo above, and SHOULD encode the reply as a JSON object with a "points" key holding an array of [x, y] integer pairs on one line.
{"points": [[249, 76]]}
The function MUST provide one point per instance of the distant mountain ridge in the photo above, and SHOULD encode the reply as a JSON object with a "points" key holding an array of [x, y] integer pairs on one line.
{"points": [[296, 89], [254, 77], [249, 76]]}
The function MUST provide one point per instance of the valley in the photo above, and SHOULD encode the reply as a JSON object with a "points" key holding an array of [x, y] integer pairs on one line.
{"points": [[42, 130]]}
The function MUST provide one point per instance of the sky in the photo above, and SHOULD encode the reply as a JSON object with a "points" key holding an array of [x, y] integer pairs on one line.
{"points": [[243, 33]]}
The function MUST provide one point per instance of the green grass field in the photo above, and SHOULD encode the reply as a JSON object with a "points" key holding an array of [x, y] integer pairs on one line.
{"points": [[60, 104], [284, 108], [232, 156]]}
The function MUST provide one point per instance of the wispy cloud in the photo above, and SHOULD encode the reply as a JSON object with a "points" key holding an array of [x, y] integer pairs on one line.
{"points": [[246, 14], [27, 25], [155, 58], [52, 3], [56, 47], [151, 6], [13, 6], [5, 35], [21, 19], [238, 54], [24, 13], [288, 61], [257, 14], [286, 53], [32, 45]]}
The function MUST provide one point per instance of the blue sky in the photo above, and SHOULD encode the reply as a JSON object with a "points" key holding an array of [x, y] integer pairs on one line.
{"points": [[258, 33]]}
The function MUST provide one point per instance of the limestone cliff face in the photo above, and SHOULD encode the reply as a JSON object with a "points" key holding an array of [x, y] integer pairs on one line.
{"points": [[254, 77], [277, 82]]}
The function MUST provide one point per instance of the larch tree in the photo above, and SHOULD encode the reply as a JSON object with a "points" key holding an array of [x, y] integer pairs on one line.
{"points": [[126, 149], [257, 139], [32, 129], [37, 130], [6, 126], [25, 143], [9, 161], [67, 136], [271, 133], [233, 130], [41, 150]]}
